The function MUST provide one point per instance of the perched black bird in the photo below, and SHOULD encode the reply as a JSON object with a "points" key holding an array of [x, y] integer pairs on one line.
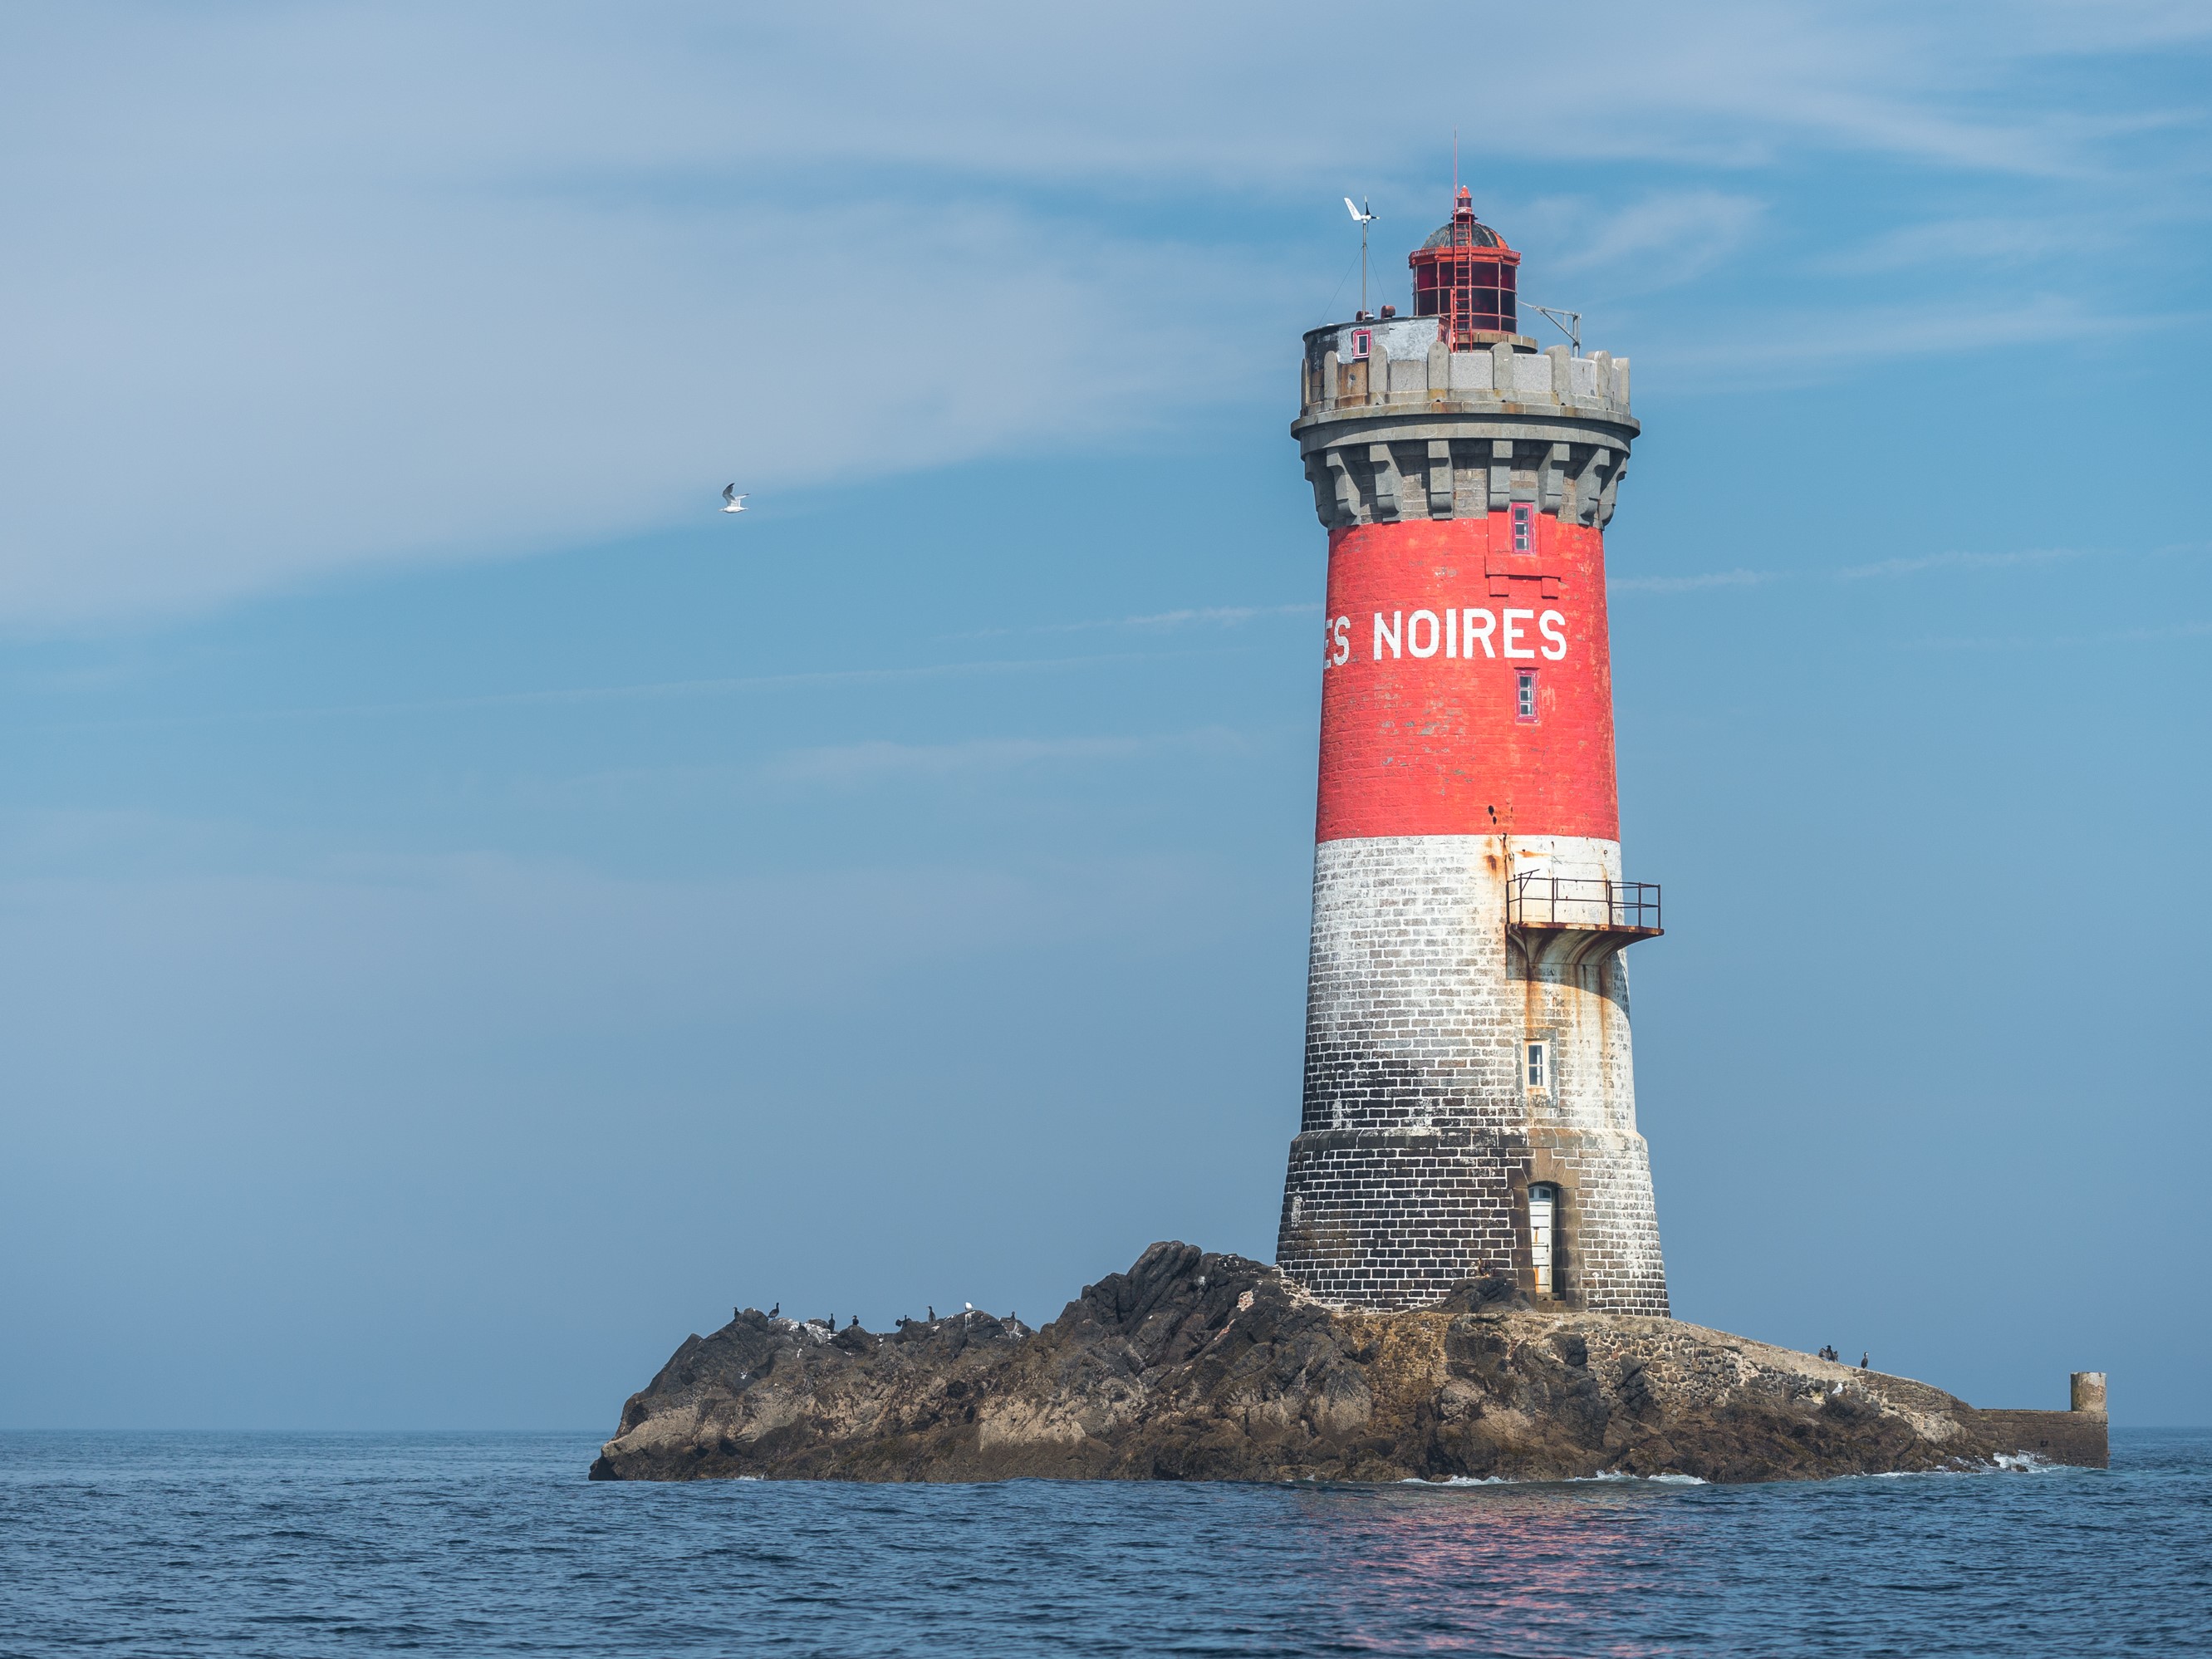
{"points": [[776, 1312], [933, 1313]]}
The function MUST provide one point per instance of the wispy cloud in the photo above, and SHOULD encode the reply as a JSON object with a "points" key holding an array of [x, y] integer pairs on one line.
{"points": [[1961, 560], [1889, 569], [398, 355], [1228, 615], [523, 278], [644, 691], [1765, 349], [867, 762], [1982, 240], [2189, 630], [1670, 236], [1687, 584]]}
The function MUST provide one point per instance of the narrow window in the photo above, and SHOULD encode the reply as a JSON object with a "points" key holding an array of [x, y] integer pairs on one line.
{"points": [[1524, 529], [1524, 695], [1543, 1215], [1539, 1064], [1363, 343]]}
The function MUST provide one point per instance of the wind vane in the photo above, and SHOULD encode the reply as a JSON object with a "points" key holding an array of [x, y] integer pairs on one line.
{"points": [[1365, 219]]}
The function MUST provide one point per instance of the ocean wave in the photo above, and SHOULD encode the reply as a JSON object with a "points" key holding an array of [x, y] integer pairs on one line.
{"points": [[1462, 1480], [1609, 1475], [1998, 1463]]}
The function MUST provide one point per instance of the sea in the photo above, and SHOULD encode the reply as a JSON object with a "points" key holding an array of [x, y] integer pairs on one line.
{"points": [[493, 1544]]}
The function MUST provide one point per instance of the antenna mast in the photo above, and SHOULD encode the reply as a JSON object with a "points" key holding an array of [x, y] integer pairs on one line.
{"points": [[1568, 323]]}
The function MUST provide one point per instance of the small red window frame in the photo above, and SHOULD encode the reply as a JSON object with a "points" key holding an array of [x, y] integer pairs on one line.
{"points": [[1528, 677]]}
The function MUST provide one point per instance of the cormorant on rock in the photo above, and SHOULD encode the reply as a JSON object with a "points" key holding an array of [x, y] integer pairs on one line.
{"points": [[776, 1312], [1863, 1361], [933, 1313], [856, 1325]]}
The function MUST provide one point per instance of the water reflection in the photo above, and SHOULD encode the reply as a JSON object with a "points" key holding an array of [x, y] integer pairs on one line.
{"points": [[1477, 1569]]}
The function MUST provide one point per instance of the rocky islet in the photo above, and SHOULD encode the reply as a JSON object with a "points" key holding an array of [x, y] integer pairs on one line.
{"points": [[1193, 1365]]}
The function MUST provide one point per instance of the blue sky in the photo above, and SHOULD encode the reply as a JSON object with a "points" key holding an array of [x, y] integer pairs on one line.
{"points": [[470, 914]]}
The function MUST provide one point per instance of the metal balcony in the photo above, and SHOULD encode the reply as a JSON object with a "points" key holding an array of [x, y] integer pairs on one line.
{"points": [[1566, 919]]}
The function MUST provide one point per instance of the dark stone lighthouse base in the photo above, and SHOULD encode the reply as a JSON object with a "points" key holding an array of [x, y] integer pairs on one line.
{"points": [[1192, 1366]]}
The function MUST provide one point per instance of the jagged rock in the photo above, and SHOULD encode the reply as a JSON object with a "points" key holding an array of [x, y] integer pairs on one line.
{"points": [[1195, 1366]]}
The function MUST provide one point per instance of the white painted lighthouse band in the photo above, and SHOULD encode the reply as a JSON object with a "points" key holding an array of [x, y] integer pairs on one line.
{"points": [[1469, 1101]]}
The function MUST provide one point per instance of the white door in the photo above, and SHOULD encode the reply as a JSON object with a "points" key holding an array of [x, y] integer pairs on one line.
{"points": [[1541, 1202]]}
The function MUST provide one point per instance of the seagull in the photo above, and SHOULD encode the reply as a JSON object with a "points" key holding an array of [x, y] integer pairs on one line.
{"points": [[731, 502]]}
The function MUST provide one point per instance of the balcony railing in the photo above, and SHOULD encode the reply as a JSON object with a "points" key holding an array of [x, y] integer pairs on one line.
{"points": [[1583, 902]]}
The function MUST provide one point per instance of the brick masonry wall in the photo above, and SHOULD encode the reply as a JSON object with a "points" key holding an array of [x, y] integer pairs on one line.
{"points": [[1420, 732], [1420, 1136]]}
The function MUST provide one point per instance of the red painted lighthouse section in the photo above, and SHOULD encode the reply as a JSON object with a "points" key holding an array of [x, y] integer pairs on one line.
{"points": [[1469, 686]]}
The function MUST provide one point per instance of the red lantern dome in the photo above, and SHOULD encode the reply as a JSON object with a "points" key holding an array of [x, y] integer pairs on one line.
{"points": [[1464, 276]]}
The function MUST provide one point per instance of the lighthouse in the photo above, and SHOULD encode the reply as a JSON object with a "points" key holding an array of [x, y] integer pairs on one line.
{"points": [[1469, 1097]]}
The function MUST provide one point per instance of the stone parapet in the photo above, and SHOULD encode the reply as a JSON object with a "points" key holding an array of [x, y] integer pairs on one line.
{"points": [[1394, 426]]}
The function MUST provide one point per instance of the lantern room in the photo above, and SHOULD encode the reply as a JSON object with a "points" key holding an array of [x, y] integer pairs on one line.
{"points": [[1464, 276]]}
